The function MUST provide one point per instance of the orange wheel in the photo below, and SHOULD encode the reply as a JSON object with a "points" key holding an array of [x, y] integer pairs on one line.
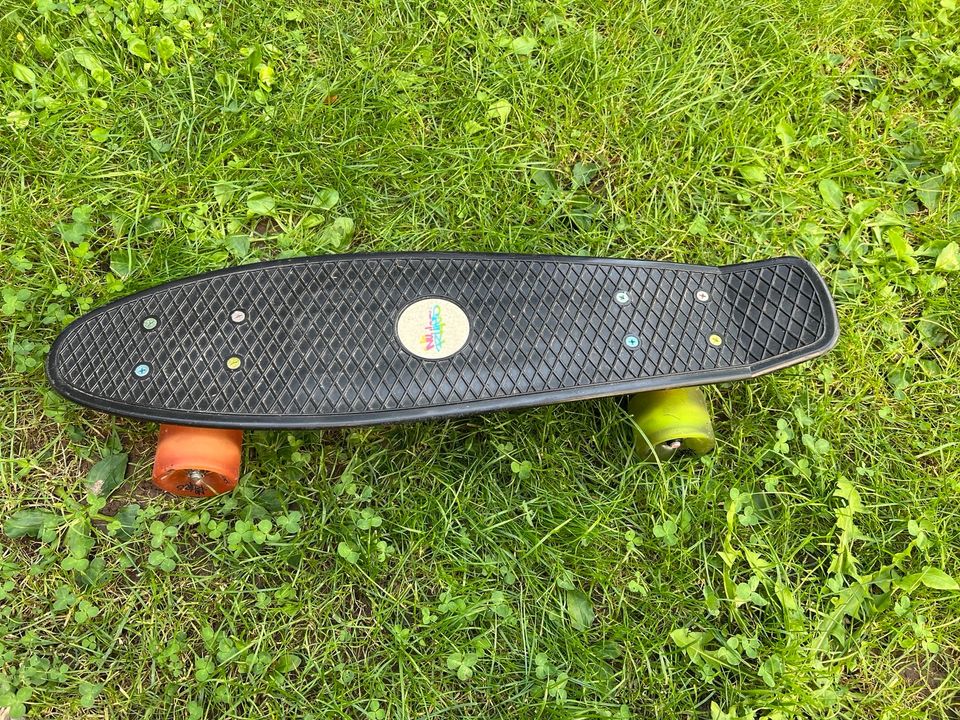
{"points": [[197, 461]]}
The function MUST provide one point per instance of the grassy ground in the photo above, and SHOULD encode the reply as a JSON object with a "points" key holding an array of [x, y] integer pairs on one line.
{"points": [[513, 565]]}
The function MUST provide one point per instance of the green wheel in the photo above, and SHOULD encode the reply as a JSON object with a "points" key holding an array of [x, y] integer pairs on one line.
{"points": [[671, 420]]}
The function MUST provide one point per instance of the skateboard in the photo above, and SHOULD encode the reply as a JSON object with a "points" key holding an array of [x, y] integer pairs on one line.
{"points": [[347, 340]]}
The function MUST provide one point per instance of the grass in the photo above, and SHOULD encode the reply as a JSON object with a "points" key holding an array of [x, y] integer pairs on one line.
{"points": [[523, 564]]}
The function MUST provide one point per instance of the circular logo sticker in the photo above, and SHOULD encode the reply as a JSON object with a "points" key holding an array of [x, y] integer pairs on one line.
{"points": [[433, 328]]}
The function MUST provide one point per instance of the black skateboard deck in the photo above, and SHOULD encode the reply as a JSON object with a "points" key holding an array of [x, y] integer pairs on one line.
{"points": [[358, 339]]}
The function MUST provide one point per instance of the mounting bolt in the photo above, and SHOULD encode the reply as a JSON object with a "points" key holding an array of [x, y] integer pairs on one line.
{"points": [[149, 322], [631, 341], [238, 316], [622, 297], [703, 295], [141, 370], [716, 340], [233, 363]]}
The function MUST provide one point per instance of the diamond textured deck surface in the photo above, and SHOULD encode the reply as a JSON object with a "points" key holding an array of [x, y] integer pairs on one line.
{"points": [[318, 344]]}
